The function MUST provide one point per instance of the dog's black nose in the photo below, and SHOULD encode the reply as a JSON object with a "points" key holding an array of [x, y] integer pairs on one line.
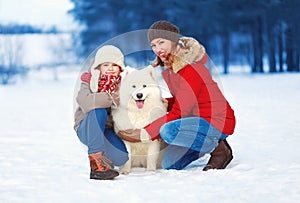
{"points": [[139, 95]]}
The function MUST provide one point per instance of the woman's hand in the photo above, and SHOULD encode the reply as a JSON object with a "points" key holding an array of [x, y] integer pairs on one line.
{"points": [[130, 135]]}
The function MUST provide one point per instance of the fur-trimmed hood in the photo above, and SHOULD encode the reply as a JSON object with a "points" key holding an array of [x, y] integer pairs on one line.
{"points": [[189, 51]]}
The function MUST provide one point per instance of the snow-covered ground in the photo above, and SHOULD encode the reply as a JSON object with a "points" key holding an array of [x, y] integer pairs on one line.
{"points": [[41, 159]]}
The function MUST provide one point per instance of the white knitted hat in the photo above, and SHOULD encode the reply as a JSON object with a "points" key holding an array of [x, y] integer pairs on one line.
{"points": [[107, 53]]}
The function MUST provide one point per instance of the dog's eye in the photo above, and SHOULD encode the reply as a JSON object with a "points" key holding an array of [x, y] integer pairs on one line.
{"points": [[144, 85], [133, 86]]}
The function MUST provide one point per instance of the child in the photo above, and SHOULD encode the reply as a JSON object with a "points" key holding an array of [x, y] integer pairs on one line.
{"points": [[93, 122], [104, 78]]}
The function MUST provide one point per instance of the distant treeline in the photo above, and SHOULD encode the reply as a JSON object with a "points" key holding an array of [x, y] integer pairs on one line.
{"points": [[25, 29], [25, 51], [234, 31]]}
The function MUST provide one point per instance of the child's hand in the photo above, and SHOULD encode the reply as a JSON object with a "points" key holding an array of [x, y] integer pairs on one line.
{"points": [[86, 77]]}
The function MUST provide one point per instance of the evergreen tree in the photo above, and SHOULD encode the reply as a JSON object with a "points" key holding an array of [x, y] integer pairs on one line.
{"points": [[271, 26]]}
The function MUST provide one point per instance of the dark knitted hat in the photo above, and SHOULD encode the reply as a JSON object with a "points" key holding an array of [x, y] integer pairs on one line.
{"points": [[163, 29]]}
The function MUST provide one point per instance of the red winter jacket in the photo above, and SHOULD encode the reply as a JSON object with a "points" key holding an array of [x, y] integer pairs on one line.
{"points": [[195, 94]]}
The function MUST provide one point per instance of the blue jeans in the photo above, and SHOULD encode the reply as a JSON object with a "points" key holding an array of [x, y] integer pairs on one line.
{"points": [[93, 134], [188, 139]]}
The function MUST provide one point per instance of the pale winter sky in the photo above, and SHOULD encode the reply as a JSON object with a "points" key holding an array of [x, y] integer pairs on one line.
{"points": [[36, 12]]}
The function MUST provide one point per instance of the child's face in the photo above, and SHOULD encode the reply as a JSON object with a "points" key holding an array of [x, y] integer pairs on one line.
{"points": [[110, 69]]}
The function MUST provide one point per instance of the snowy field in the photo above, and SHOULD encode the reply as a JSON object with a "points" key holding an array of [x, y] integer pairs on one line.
{"points": [[41, 159]]}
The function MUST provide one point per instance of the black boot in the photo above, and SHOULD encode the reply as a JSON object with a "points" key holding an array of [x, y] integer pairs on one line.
{"points": [[220, 157], [103, 175], [101, 167]]}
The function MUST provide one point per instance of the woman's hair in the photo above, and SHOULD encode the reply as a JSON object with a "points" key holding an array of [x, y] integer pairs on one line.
{"points": [[158, 62]]}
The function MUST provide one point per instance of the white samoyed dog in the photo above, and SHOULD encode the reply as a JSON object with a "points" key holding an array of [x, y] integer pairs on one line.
{"points": [[140, 104]]}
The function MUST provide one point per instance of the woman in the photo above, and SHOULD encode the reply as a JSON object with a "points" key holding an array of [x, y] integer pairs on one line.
{"points": [[199, 117]]}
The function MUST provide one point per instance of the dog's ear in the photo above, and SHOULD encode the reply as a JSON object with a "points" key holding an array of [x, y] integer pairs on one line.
{"points": [[124, 73], [127, 71], [152, 74]]}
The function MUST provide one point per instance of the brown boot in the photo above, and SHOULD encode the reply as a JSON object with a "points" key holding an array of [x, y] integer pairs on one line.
{"points": [[220, 157], [101, 167]]}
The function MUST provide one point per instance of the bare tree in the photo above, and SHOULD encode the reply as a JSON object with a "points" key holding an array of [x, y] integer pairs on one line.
{"points": [[62, 50], [10, 58]]}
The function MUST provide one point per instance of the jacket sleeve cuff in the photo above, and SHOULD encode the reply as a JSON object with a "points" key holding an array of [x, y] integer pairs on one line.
{"points": [[145, 137]]}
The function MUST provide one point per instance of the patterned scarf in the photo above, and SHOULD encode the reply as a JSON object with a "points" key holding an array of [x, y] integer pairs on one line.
{"points": [[107, 83]]}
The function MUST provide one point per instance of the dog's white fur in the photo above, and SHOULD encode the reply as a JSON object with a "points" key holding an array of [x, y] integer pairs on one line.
{"points": [[139, 83]]}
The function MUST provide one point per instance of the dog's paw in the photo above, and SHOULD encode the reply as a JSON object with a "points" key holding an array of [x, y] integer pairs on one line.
{"points": [[151, 168], [124, 172]]}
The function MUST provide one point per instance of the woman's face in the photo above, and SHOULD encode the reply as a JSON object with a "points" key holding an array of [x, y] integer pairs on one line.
{"points": [[108, 68], [162, 47]]}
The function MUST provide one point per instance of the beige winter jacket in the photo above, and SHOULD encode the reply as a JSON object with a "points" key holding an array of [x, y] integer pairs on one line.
{"points": [[88, 101]]}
